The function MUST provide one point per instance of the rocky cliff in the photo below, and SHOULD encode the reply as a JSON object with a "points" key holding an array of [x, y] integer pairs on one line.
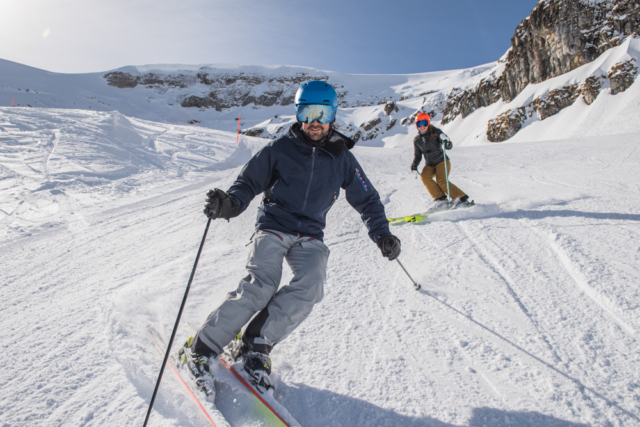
{"points": [[559, 36], [562, 35], [219, 90]]}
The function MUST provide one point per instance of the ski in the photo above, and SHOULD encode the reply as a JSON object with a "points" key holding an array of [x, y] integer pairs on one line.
{"points": [[253, 390], [154, 335], [424, 216], [239, 401]]}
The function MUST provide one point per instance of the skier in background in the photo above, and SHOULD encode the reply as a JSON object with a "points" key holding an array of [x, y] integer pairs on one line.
{"points": [[300, 176], [429, 143]]}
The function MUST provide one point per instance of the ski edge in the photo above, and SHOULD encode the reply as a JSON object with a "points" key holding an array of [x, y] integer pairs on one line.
{"points": [[177, 374], [255, 393], [226, 364]]}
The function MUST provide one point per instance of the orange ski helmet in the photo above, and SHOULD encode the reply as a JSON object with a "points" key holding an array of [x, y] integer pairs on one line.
{"points": [[422, 117]]}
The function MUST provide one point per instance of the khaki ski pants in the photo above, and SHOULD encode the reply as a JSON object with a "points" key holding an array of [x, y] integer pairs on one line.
{"points": [[438, 188]]}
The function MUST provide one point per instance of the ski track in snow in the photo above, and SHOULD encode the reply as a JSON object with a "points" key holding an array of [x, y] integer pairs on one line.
{"points": [[527, 312]]}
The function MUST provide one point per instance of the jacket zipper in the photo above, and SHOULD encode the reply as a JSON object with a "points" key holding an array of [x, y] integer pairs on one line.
{"points": [[306, 196], [426, 150]]}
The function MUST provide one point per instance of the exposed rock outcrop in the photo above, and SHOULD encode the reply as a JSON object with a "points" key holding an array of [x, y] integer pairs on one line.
{"points": [[557, 99], [465, 102], [200, 102], [252, 132], [591, 88], [506, 125], [392, 122], [390, 107], [370, 124], [122, 80], [622, 76]]}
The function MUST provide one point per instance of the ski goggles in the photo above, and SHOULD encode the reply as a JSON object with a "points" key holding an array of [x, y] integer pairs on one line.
{"points": [[307, 113], [422, 123]]}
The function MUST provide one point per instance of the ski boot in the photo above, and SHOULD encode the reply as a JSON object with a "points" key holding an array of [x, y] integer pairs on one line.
{"points": [[462, 201], [197, 365], [258, 366]]}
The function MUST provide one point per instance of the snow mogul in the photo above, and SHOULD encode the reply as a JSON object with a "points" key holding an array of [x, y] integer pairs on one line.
{"points": [[300, 176], [431, 143]]}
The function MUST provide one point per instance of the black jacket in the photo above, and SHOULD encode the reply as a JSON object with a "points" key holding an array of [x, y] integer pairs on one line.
{"points": [[430, 147], [301, 180]]}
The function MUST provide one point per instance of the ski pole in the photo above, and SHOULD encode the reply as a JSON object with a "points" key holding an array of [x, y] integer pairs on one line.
{"points": [[415, 284], [446, 172], [175, 327]]}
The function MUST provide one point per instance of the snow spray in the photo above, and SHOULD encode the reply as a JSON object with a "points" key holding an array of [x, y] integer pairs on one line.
{"points": [[175, 326]]}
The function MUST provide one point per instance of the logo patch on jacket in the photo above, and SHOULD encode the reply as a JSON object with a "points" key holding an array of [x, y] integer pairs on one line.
{"points": [[363, 181]]}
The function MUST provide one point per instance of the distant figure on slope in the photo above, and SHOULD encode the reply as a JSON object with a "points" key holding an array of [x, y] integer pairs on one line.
{"points": [[428, 143], [300, 175]]}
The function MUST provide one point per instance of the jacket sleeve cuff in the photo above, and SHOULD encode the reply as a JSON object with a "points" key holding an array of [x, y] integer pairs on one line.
{"points": [[379, 232]]}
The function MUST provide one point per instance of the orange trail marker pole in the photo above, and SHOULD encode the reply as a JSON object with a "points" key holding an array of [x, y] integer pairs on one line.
{"points": [[12, 99], [238, 135]]}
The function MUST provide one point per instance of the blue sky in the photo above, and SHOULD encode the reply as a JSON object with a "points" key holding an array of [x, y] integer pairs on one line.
{"points": [[370, 37]]}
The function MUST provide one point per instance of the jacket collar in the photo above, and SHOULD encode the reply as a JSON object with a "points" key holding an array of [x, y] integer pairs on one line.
{"points": [[334, 143]]}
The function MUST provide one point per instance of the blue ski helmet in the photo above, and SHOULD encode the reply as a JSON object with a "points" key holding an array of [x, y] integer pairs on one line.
{"points": [[316, 92], [316, 100]]}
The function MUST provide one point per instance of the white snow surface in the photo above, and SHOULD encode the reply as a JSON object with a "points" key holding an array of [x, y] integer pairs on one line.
{"points": [[528, 314]]}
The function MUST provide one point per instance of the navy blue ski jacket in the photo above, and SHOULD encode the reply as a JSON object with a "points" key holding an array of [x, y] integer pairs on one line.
{"points": [[301, 181]]}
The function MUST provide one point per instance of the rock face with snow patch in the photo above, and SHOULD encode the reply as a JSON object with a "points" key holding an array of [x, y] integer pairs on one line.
{"points": [[559, 36], [557, 99], [622, 76], [390, 107], [506, 125], [465, 102], [219, 90], [562, 35], [591, 88]]}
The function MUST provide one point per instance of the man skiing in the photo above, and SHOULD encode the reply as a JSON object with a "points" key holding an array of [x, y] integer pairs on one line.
{"points": [[300, 175], [429, 143]]}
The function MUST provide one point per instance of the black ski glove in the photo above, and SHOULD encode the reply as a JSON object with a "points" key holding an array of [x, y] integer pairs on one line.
{"points": [[448, 145], [389, 245], [414, 168], [220, 205]]}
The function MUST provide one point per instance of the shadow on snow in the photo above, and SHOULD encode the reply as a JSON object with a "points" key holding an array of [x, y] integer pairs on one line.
{"points": [[315, 408]]}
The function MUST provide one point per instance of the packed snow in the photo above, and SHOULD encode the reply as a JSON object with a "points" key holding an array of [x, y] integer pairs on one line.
{"points": [[528, 314]]}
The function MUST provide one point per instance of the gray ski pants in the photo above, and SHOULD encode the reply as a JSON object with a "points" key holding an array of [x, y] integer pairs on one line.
{"points": [[279, 311]]}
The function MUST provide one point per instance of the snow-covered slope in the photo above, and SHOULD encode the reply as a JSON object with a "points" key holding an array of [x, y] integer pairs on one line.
{"points": [[529, 313], [49, 155]]}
